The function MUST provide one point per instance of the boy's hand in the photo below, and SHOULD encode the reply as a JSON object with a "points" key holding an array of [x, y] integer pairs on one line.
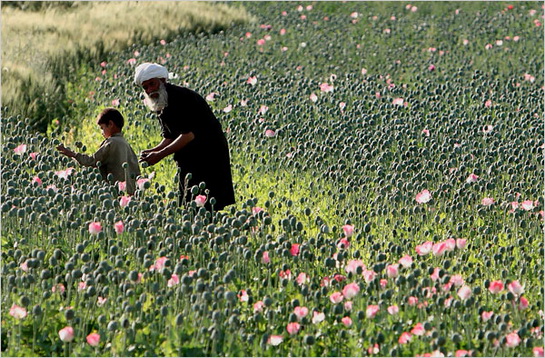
{"points": [[66, 151]]}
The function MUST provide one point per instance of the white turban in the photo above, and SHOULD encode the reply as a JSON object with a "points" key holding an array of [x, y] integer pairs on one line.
{"points": [[147, 71]]}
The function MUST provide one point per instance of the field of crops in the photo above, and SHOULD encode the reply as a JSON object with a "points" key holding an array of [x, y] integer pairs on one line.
{"points": [[388, 168]]}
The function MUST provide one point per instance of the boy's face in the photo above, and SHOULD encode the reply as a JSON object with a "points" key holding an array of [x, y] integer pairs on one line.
{"points": [[107, 129]]}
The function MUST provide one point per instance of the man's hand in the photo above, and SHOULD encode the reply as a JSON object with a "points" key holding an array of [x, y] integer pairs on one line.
{"points": [[66, 151], [151, 157]]}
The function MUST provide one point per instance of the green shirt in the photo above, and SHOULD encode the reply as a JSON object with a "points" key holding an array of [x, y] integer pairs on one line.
{"points": [[113, 152]]}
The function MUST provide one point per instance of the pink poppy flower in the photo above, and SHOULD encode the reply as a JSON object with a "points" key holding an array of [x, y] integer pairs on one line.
{"points": [[435, 275], [293, 328], [82, 286], [228, 109], [66, 334], [351, 290], [24, 266], [159, 264], [173, 281], [122, 185], [412, 301], [252, 80], [115, 102], [325, 87], [336, 297], [523, 303], [406, 261], [300, 312], [528, 77], [392, 270], [343, 243], [347, 321], [131, 61], [101, 301], [431, 68], [265, 258], [369, 275], [418, 330], [200, 200], [17, 312], [512, 340], [472, 178], [485, 316], [515, 288], [461, 243], [348, 305], [423, 197], [64, 173], [210, 96], [488, 128], [243, 296], [93, 339], [439, 249], [294, 250], [95, 228], [261, 42], [270, 133], [119, 227], [426, 132], [404, 338], [33, 155], [352, 266], [285, 274], [20, 149], [457, 280], [393, 310], [398, 101], [488, 103], [383, 283], [538, 352], [488, 46], [348, 230], [141, 183], [496, 287], [317, 317], [313, 97], [371, 311], [487, 201], [302, 278], [275, 340], [464, 292], [58, 287], [424, 249], [259, 306], [450, 243], [124, 201], [462, 353], [527, 205], [37, 179]]}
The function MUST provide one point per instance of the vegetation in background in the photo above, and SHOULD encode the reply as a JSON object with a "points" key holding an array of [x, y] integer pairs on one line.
{"points": [[44, 43]]}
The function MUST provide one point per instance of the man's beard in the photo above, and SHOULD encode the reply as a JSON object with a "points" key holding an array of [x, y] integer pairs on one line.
{"points": [[159, 103]]}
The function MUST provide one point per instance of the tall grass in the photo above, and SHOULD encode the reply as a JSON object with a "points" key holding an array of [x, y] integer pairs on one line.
{"points": [[42, 46]]}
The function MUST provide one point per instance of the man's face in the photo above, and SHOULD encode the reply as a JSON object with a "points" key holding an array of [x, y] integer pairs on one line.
{"points": [[151, 87]]}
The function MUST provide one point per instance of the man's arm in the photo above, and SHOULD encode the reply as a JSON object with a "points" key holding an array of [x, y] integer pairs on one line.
{"points": [[159, 146], [175, 145]]}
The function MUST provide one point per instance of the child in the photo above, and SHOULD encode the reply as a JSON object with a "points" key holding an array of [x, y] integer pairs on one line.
{"points": [[113, 152]]}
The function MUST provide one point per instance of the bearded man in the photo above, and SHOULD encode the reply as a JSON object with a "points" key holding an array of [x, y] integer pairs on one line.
{"points": [[191, 132]]}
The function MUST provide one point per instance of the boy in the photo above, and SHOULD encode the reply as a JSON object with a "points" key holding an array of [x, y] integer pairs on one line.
{"points": [[113, 152]]}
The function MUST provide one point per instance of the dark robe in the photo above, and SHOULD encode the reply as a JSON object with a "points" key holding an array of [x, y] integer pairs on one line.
{"points": [[206, 157]]}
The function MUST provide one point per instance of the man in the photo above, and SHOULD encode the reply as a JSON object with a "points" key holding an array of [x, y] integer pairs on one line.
{"points": [[191, 132]]}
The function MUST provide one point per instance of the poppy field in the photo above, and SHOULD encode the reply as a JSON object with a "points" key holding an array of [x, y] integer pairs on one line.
{"points": [[388, 169]]}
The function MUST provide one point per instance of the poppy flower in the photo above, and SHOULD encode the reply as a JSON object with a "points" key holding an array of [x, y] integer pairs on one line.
{"points": [[293, 328], [423, 197], [95, 228], [93, 339], [351, 290], [66, 334], [17, 312], [496, 286]]}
